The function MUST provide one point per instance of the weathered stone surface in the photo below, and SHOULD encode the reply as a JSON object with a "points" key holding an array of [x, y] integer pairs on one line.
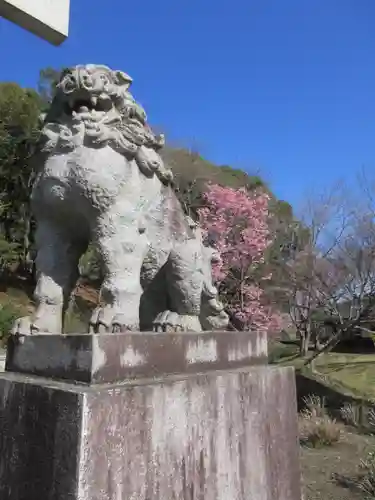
{"points": [[214, 436], [39, 437], [117, 357], [2, 360], [100, 179]]}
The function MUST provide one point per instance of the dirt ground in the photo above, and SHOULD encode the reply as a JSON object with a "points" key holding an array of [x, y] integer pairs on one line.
{"points": [[320, 467]]}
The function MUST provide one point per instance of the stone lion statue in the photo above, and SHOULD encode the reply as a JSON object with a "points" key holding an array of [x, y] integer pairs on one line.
{"points": [[99, 178]]}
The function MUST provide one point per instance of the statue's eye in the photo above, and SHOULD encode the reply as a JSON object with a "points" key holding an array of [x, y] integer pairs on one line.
{"points": [[104, 79]]}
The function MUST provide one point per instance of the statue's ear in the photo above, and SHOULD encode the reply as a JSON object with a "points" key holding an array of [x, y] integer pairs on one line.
{"points": [[64, 72], [122, 79], [62, 75]]}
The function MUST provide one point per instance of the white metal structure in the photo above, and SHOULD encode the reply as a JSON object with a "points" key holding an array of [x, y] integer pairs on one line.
{"points": [[48, 19]]}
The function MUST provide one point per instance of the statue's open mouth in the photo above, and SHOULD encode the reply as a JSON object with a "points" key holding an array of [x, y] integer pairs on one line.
{"points": [[84, 104]]}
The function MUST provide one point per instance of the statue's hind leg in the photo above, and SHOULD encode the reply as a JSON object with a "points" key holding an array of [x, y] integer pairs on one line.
{"points": [[57, 273], [122, 247], [184, 287]]}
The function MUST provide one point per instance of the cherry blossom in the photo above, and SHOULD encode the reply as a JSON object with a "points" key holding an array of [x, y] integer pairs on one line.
{"points": [[235, 222]]}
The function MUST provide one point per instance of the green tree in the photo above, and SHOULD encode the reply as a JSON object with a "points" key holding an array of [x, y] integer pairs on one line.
{"points": [[48, 78], [19, 131]]}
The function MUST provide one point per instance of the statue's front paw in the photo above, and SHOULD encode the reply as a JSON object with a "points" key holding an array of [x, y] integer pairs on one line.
{"points": [[169, 321], [23, 327], [108, 320]]}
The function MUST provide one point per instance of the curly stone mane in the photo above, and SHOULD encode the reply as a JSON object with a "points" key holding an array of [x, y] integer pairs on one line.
{"points": [[94, 107]]}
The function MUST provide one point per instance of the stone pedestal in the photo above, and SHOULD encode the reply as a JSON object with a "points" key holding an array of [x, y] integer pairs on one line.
{"points": [[149, 417]]}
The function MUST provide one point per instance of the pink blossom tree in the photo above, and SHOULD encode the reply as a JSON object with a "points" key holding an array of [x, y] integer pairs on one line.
{"points": [[235, 222]]}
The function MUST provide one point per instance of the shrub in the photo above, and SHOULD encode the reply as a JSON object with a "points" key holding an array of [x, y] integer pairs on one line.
{"points": [[74, 323], [10, 254], [90, 265], [316, 427], [8, 314]]}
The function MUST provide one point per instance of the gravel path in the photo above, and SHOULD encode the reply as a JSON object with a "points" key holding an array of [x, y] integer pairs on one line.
{"points": [[320, 466]]}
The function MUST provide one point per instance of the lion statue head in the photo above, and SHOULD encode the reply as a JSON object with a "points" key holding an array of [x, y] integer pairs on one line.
{"points": [[93, 107]]}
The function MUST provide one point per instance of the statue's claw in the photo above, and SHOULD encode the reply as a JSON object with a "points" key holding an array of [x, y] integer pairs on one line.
{"points": [[169, 321], [108, 320], [23, 327]]}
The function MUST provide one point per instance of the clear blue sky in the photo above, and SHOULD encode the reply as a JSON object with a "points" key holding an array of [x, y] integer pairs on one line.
{"points": [[284, 86]]}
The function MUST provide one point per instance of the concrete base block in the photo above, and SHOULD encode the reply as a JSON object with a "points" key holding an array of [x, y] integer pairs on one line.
{"points": [[116, 357], [229, 434]]}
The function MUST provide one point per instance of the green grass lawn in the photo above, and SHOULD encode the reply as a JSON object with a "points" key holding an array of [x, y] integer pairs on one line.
{"points": [[355, 372], [284, 354]]}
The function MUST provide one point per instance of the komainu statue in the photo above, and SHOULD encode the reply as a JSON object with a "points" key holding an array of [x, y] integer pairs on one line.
{"points": [[100, 179]]}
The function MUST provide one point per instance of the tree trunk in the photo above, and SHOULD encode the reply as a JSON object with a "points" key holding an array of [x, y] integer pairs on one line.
{"points": [[304, 346], [305, 336]]}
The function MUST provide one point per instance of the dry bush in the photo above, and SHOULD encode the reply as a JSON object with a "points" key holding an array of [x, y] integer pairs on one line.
{"points": [[350, 415], [363, 480], [371, 418], [315, 405], [316, 427], [366, 480]]}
